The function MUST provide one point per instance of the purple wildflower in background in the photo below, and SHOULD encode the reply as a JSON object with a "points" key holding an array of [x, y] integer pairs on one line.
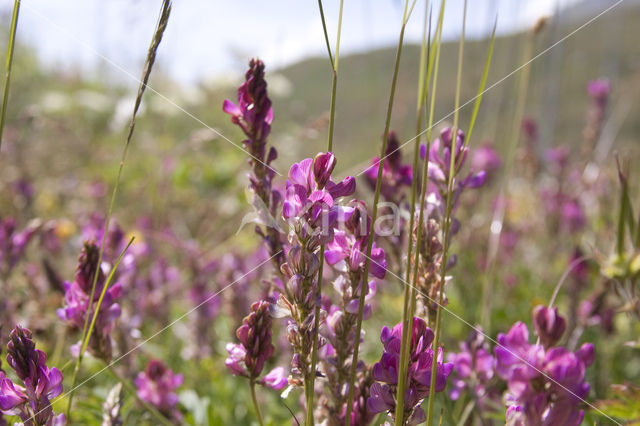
{"points": [[32, 401], [77, 302], [13, 244], [396, 176], [546, 385], [115, 242], [599, 90], [157, 385], [439, 158], [440, 161], [421, 357], [248, 358], [487, 159], [474, 370]]}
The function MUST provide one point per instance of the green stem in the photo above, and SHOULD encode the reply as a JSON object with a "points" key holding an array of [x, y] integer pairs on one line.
{"points": [[447, 224], [310, 381], [334, 81], [131, 389], [252, 386], [9, 64], [423, 79], [374, 215]]}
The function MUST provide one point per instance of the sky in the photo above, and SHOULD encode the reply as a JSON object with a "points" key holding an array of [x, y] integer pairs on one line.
{"points": [[208, 39]]}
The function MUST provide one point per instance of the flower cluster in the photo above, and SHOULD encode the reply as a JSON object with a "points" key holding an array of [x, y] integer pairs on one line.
{"points": [[421, 358], [440, 165], [253, 114], [32, 401], [248, 358], [474, 370], [346, 253], [395, 174], [77, 302], [311, 209], [157, 385], [546, 384]]}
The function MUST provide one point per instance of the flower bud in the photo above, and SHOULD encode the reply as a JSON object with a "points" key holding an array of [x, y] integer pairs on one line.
{"points": [[323, 166], [548, 324]]}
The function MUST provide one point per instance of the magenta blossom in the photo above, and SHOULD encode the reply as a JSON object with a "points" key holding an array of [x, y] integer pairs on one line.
{"points": [[395, 175], [421, 359], [157, 385], [599, 89], [248, 358], [474, 369], [545, 386], [486, 158], [30, 402], [309, 203], [77, 295], [13, 243], [549, 325]]}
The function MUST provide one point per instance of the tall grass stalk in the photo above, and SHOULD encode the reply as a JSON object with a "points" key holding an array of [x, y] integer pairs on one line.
{"points": [[424, 77], [374, 214], [146, 72], [9, 64], [104, 291], [309, 386], [522, 85], [447, 221]]}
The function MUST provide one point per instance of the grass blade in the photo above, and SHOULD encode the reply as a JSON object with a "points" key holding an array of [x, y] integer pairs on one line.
{"points": [[367, 264], [447, 222], [483, 83], [9, 64]]}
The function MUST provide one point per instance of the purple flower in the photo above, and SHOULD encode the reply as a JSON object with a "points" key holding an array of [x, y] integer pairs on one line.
{"points": [[474, 368], [346, 247], [530, 128], [440, 163], [486, 158], [30, 402], [77, 302], [248, 358], [549, 325], [157, 385], [599, 89], [254, 115], [13, 243], [558, 157], [395, 174], [421, 359], [545, 386], [275, 379], [309, 204]]}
